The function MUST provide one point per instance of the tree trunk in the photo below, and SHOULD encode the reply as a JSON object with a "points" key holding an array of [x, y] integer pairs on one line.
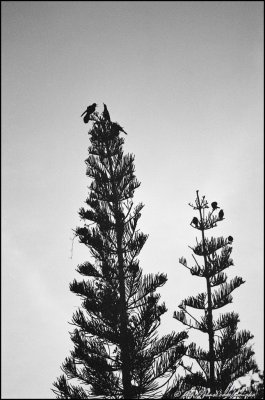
{"points": [[209, 308], [124, 343]]}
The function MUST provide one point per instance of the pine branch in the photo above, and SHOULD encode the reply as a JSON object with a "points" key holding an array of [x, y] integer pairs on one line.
{"points": [[222, 296], [226, 320], [198, 301]]}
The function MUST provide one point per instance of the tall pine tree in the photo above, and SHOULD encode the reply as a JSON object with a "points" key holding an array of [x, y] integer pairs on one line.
{"points": [[117, 352], [229, 357]]}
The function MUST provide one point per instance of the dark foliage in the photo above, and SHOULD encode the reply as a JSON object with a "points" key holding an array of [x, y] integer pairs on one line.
{"points": [[229, 356], [117, 353]]}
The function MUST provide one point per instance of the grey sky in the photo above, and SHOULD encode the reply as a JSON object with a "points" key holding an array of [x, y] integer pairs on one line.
{"points": [[185, 79]]}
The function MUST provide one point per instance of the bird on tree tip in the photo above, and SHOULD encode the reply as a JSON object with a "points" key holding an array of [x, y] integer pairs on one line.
{"points": [[221, 214], [90, 109], [105, 113], [214, 205]]}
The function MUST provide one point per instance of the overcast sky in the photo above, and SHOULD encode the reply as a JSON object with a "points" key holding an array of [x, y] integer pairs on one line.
{"points": [[185, 80]]}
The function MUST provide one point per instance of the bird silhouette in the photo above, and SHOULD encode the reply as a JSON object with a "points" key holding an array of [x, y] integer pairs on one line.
{"points": [[214, 205], [90, 109], [230, 239], [221, 214], [105, 113], [195, 221], [118, 128]]}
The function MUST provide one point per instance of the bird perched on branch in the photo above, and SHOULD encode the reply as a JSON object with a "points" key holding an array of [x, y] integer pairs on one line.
{"points": [[105, 113], [221, 214], [117, 128], [214, 205], [230, 239], [88, 112], [195, 221]]}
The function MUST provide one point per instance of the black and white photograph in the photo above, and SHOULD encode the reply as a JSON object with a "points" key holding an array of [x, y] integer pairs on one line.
{"points": [[132, 220]]}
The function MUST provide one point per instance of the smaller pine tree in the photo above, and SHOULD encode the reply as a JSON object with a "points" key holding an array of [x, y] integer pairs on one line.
{"points": [[229, 356]]}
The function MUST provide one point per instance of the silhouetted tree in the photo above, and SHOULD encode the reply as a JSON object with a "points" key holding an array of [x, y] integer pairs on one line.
{"points": [[229, 356], [117, 352]]}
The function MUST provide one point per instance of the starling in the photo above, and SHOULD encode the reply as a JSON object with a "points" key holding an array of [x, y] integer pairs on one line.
{"points": [[221, 214], [105, 113], [230, 239], [88, 112], [118, 128], [214, 205], [195, 221]]}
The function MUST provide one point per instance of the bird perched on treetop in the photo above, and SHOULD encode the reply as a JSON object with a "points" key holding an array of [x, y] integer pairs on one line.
{"points": [[105, 113], [214, 205], [88, 112], [221, 214]]}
